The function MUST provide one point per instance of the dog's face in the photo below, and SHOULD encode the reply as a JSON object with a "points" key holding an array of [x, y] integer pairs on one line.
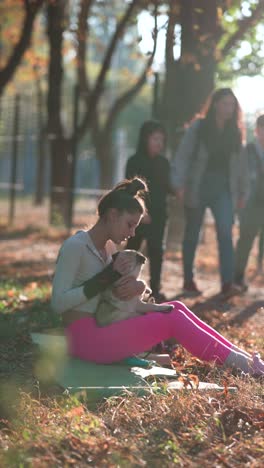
{"points": [[136, 260]]}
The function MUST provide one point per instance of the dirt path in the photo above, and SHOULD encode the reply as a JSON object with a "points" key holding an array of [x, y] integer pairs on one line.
{"points": [[29, 254]]}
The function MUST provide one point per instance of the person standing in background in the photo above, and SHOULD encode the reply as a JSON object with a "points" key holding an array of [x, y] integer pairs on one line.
{"points": [[252, 216], [150, 163], [207, 173], [260, 250]]}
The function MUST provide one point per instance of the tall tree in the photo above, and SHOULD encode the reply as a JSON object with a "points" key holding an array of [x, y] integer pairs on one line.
{"points": [[62, 161], [59, 143], [102, 129]]}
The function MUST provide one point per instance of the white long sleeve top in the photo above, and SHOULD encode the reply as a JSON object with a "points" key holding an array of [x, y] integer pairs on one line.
{"points": [[78, 260]]}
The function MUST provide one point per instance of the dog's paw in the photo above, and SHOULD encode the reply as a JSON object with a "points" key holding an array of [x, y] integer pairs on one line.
{"points": [[167, 308], [151, 300], [147, 291]]}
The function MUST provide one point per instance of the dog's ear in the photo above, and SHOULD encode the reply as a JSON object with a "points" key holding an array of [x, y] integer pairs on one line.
{"points": [[115, 255], [141, 258]]}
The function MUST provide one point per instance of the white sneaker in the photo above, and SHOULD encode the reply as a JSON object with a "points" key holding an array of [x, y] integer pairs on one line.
{"points": [[257, 365]]}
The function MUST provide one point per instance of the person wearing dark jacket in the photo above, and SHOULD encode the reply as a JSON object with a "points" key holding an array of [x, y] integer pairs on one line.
{"points": [[150, 163], [252, 215]]}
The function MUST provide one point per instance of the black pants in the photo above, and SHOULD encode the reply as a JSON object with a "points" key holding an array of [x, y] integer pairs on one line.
{"points": [[155, 235], [251, 224], [261, 246]]}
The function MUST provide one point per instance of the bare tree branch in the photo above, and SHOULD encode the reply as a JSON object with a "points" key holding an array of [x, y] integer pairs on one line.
{"points": [[243, 26], [170, 33], [98, 88], [130, 93], [31, 10], [82, 37]]}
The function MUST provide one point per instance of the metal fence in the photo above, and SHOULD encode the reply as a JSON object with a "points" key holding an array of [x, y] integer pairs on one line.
{"points": [[24, 145]]}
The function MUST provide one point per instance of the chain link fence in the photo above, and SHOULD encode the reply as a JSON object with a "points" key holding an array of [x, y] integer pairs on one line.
{"points": [[25, 162]]}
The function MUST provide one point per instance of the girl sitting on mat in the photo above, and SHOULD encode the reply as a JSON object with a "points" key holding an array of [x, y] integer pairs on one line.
{"points": [[85, 268]]}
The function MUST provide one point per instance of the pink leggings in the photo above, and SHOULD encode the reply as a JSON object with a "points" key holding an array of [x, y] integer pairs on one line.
{"points": [[133, 336]]}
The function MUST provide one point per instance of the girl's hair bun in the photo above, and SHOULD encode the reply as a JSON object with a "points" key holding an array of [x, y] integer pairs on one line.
{"points": [[136, 185], [128, 195]]}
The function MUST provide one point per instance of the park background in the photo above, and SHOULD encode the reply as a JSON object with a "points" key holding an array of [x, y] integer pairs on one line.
{"points": [[77, 80]]}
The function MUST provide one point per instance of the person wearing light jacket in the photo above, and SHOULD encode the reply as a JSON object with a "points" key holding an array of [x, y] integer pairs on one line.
{"points": [[207, 172]]}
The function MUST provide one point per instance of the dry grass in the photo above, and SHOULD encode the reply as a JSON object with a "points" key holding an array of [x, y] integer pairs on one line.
{"points": [[159, 429], [40, 426]]}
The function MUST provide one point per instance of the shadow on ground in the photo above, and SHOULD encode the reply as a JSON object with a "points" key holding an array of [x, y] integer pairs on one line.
{"points": [[246, 313]]}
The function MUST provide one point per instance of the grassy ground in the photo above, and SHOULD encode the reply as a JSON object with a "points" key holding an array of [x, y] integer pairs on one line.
{"points": [[41, 426]]}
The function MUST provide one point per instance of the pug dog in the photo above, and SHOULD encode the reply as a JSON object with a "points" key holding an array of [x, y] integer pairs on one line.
{"points": [[111, 309]]}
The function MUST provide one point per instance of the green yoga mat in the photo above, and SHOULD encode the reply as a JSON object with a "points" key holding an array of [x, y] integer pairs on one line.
{"points": [[97, 381]]}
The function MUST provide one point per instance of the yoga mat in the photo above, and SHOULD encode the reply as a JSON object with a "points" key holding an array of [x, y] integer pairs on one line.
{"points": [[73, 374], [97, 381]]}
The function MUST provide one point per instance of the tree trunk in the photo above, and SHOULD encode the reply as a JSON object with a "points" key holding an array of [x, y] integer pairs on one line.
{"points": [[60, 180], [40, 173], [103, 146], [7, 72], [195, 71], [190, 79], [59, 147]]}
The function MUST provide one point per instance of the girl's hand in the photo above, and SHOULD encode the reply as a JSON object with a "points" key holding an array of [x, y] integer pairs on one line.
{"points": [[128, 287], [123, 265]]}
